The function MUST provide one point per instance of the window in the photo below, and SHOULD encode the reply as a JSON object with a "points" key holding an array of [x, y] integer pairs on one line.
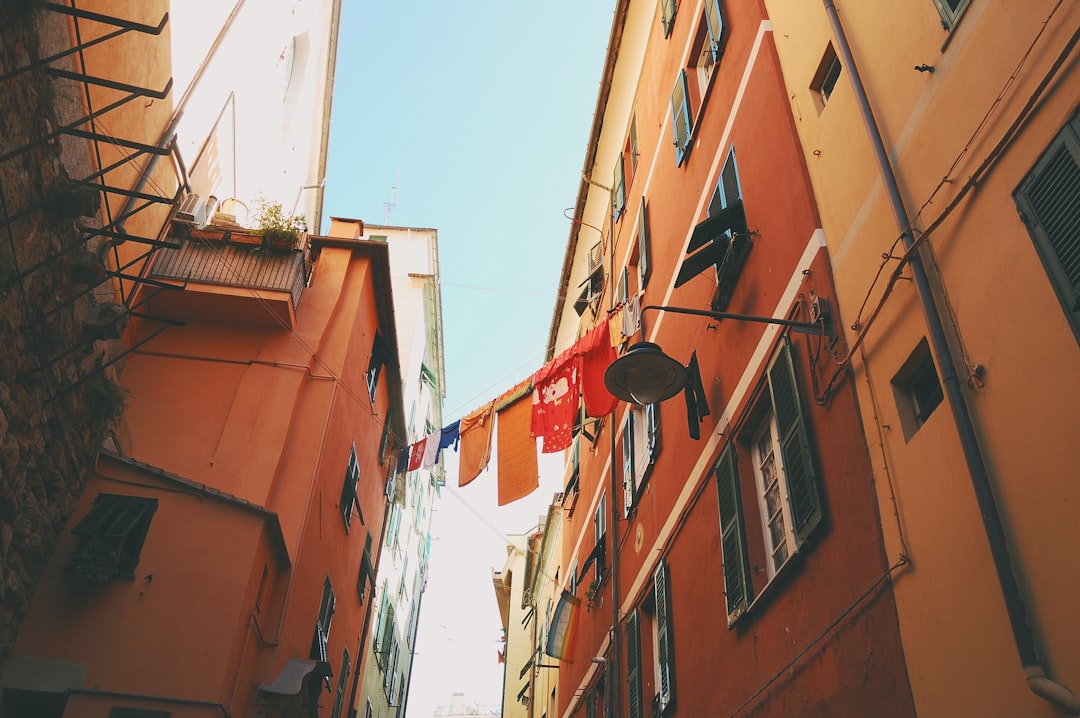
{"points": [[380, 355], [785, 487], [593, 286], [643, 263], [111, 537], [367, 570], [380, 621], [649, 638], [348, 490], [950, 11], [825, 77], [681, 121], [384, 442], [322, 623], [339, 695], [916, 389], [640, 447], [722, 241], [618, 189], [1049, 204], [668, 8], [600, 519]]}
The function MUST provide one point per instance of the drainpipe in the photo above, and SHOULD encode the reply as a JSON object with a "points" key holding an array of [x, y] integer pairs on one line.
{"points": [[612, 667], [1039, 683]]}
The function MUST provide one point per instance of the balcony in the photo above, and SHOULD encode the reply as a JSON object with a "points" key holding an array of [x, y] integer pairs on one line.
{"points": [[223, 276]]}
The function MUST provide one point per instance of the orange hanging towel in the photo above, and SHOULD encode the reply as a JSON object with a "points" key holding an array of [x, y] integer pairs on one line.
{"points": [[474, 449], [519, 472]]}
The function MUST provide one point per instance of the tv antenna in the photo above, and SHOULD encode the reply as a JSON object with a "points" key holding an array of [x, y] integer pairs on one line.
{"points": [[391, 203]]}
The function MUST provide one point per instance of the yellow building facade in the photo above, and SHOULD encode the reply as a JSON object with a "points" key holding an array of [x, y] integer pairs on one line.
{"points": [[941, 139]]}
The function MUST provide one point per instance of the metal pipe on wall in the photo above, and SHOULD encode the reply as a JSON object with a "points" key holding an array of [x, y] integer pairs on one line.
{"points": [[1023, 636]]}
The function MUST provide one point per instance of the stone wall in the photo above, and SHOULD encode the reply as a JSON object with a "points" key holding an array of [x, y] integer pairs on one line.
{"points": [[56, 401]]}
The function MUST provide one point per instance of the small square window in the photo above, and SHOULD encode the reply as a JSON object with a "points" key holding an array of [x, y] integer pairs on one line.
{"points": [[917, 389], [825, 78]]}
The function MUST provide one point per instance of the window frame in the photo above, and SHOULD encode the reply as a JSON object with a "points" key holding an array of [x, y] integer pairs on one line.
{"points": [[682, 122], [780, 400], [668, 10], [349, 499], [950, 16], [640, 443], [120, 523]]}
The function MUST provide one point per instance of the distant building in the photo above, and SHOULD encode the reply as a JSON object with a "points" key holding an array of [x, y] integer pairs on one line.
{"points": [[458, 708], [397, 588], [527, 591]]}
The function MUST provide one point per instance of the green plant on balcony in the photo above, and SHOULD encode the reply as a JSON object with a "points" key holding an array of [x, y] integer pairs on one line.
{"points": [[277, 229]]}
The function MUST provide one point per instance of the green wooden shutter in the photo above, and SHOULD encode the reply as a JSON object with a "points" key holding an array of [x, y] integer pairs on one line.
{"points": [[618, 193], [643, 243], [803, 489], [680, 115], [629, 489], [667, 17], [590, 704], [1049, 202], [665, 651], [733, 536], [633, 665], [652, 431]]}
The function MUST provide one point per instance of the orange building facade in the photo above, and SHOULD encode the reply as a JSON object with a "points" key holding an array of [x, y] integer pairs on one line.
{"points": [[724, 543], [220, 559]]}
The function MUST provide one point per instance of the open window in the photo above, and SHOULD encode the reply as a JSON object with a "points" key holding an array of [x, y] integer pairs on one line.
{"points": [[722, 241], [650, 653], [767, 471], [348, 490], [640, 445], [593, 287]]}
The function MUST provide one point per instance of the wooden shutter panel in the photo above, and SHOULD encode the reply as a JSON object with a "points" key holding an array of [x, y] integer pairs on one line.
{"points": [[716, 27], [628, 464], [643, 243], [680, 114], [665, 652], [1049, 201], [732, 536], [618, 194], [633, 665], [652, 431], [803, 489], [668, 15]]}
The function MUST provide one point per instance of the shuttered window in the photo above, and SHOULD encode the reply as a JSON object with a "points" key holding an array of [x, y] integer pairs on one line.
{"points": [[643, 243], [618, 193], [1049, 202], [715, 22], [665, 651], [667, 15], [633, 665], [736, 562], [680, 115]]}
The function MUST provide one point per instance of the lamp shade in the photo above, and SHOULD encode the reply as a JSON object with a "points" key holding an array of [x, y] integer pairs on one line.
{"points": [[644, 375]]}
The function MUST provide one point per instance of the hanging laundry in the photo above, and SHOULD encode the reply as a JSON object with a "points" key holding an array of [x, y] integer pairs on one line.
{"points": [[416, 454], [697, 405], [615, 326], [519, 473], [631, 316], [431, 449], [475, 446], [450, 435], [555, 402], [596, 355]]}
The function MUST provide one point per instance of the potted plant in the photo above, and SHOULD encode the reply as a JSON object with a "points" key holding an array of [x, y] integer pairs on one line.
{"points": [[278, 230]]}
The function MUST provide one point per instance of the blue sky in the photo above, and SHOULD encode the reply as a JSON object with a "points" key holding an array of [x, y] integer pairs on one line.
{"points": [[479, 114]]}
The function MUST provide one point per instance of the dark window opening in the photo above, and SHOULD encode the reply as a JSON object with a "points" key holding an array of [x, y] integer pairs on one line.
{"points": [[826, 76], [111, 538], [917, 389]]}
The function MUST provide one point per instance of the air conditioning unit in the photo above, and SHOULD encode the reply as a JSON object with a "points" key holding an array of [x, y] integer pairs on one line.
{"points": [[193, 209]]}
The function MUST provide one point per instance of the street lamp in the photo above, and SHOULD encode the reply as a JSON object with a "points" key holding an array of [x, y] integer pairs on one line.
{"points": [[646, 375]]}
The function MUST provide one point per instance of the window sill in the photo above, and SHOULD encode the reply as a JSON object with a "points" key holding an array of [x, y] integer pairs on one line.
{"points": [[782, 575]]}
